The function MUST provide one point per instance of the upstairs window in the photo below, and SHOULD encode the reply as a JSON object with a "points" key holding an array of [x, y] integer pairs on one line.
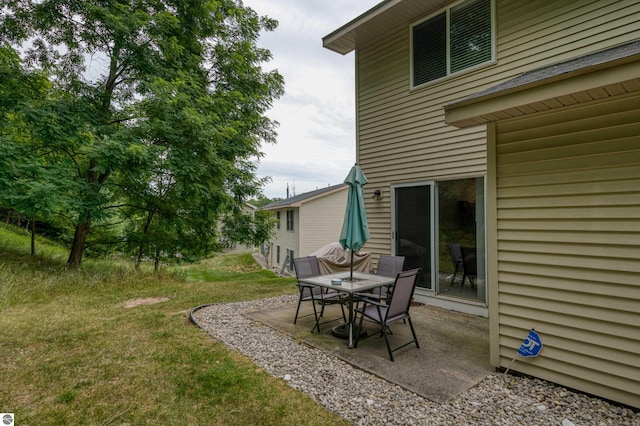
{"points": [[289, 220], [459, 38]]}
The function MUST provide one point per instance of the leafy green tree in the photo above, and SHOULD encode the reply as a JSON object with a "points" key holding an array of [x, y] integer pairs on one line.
{"points": [[157, 101], [240, 226], [262, 201], [29, 184]]}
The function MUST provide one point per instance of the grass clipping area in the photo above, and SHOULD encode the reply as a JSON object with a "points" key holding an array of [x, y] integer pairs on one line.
{"points": [[111, 345]]}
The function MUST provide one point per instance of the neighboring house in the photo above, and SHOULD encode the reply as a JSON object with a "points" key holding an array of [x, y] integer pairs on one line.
{"points": [[305, 223], [512, 128], [250, 210]]}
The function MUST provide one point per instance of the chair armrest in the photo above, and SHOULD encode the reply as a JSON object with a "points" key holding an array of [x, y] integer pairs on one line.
{"points": [[369, 301]]}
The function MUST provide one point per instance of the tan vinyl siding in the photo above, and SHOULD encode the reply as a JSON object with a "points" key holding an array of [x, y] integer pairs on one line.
{"points": [[321, 222], [287, 240], [568, 244], [401, 132]]}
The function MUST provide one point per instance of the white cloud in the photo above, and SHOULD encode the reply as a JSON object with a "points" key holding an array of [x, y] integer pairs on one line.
{"points": [[316, 137]]}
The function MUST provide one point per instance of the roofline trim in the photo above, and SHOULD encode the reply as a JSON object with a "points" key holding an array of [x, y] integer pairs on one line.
{"points": [[301, 202], [329, 39]]}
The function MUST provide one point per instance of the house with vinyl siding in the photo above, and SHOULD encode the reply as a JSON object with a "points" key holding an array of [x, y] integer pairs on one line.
{"points": [[304, 223], [511, 129]]}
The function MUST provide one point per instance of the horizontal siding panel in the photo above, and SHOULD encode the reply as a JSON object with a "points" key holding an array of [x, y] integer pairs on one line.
{"points": [[591, 311], [565, 272], [576, 224], [562, 294], [586, 162], [619, 241], [595, 212], [434, 134], [617, 374], [553, 28], [571, 261], [572, 339], [432, 153], [320, 222], [611, 249], [599, 187], [589, 142], [628, 198], [512, 280], [619, 173], [616, 329]]}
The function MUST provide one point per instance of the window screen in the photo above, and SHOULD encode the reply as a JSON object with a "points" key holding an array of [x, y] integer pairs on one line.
{"points": [[452, 41], [470, 32]]}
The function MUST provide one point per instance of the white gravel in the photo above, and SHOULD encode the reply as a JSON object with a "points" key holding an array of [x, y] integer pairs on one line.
{"points": [[365, 399]]}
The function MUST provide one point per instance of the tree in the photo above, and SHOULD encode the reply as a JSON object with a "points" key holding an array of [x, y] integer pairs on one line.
{"points": [[162, 101], [262, 201], [28, 184]]}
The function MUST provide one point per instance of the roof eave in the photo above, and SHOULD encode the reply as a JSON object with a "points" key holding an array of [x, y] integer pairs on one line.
{"points": [[495, 103], [299, 203], [344, 39]]}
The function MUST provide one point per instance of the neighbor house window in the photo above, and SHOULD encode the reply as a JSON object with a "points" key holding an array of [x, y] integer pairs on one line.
{"points": [[290, 255], [459, 38], [278, 220], [278, 255], [289, 220]]}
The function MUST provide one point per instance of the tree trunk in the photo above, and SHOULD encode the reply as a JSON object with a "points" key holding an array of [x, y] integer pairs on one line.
{"points": [[33, 235], [79, 242], [144, 233]]}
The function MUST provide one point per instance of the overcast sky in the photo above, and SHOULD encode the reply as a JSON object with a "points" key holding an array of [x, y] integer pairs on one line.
{"points": [[316, 136]]}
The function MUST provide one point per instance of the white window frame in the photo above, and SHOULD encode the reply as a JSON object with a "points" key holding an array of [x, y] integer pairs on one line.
{"points": [[449, 74]]}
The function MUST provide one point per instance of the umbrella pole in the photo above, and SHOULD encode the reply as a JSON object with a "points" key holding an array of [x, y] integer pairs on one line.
{"points": [[351, 277]]}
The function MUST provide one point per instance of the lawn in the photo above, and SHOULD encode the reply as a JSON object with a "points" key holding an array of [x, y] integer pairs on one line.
{"points": [[73, 353]]}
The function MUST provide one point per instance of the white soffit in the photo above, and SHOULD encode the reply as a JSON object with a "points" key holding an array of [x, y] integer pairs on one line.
{"points": [[386, 16]]}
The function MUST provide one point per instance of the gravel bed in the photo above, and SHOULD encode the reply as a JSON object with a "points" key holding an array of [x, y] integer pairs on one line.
{"points": [[365, 399]]}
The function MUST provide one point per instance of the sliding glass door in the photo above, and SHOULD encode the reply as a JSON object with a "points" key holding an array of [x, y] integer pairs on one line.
{"points": [[439, 227]]}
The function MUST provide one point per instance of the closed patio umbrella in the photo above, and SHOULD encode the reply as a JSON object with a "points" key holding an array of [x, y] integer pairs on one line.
{"points": [[355, 229]]}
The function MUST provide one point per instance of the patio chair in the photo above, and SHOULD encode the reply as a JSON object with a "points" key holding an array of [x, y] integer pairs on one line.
{"points": [[308, 267], [470, 266], [395, 309], [388, 266], [456, 258]]}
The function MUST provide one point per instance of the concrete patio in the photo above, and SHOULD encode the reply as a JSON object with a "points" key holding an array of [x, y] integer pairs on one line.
{"points": [[453, 354]]}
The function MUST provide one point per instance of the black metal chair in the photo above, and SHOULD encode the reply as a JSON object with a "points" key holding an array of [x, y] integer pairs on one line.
{"points": [[456, 258], [395, 309], [470, 265], [308, 267], [388, 266]]}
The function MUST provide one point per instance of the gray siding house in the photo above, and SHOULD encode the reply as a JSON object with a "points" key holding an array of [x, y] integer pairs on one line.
{"points": [[511, 129]]}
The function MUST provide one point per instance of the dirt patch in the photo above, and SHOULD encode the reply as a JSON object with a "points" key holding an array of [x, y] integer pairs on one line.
{"points": [[145, 301]]}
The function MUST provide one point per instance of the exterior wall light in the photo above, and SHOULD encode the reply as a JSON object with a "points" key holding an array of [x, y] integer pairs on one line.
{"points": [[377, 195]]}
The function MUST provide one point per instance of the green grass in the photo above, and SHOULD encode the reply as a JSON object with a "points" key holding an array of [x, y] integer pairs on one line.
{"points": [[73, 354]]}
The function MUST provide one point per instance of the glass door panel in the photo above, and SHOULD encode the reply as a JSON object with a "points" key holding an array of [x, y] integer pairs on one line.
{"points": [[413, 224], [461, 238]]}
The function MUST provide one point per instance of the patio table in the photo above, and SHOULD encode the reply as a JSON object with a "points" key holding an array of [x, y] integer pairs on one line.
{"points": [[362, 282]]}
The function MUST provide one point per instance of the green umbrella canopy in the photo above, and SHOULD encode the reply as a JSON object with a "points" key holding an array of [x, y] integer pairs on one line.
{"points": [[355, 229]]}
